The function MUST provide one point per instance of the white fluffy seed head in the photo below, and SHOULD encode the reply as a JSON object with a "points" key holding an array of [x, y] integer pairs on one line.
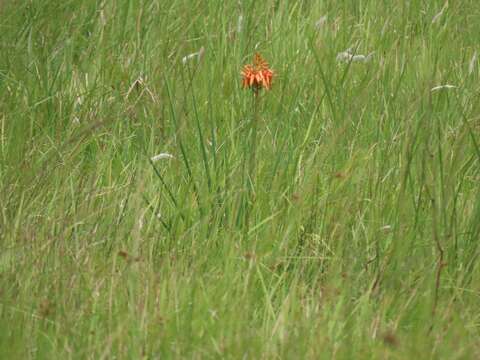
{"points": [[441, 87], [161, 156], [347, 56]]}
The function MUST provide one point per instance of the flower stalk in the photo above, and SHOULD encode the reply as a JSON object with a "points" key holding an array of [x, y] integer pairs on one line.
{"points": [[256, 76]]}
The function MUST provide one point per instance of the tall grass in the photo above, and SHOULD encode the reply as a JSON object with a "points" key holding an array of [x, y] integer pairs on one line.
{"points": [[363, 216]]}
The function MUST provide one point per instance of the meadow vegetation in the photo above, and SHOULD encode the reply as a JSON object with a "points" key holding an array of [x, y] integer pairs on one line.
{"points": [[353, 235]]}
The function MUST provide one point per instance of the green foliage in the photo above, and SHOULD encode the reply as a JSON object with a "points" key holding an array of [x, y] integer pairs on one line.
{"points": [[357, 238]]}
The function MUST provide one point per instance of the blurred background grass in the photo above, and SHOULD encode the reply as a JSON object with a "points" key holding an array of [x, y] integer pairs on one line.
{"points": [[364, 224]]}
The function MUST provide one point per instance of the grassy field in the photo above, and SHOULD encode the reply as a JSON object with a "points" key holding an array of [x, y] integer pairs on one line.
{"points": [[335, 216]]}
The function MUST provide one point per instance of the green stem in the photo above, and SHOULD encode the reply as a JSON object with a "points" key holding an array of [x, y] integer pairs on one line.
{"points": [[253, 154], [251, 175]]}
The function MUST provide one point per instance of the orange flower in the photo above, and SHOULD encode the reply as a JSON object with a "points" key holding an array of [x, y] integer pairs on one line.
{"points": [[258, 75]]}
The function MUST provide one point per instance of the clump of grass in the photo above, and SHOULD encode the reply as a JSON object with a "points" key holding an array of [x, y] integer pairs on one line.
{"points": [[123, 180]]}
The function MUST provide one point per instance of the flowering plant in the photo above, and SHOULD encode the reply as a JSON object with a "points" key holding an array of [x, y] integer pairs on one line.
{"points": [[257, 75]]}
